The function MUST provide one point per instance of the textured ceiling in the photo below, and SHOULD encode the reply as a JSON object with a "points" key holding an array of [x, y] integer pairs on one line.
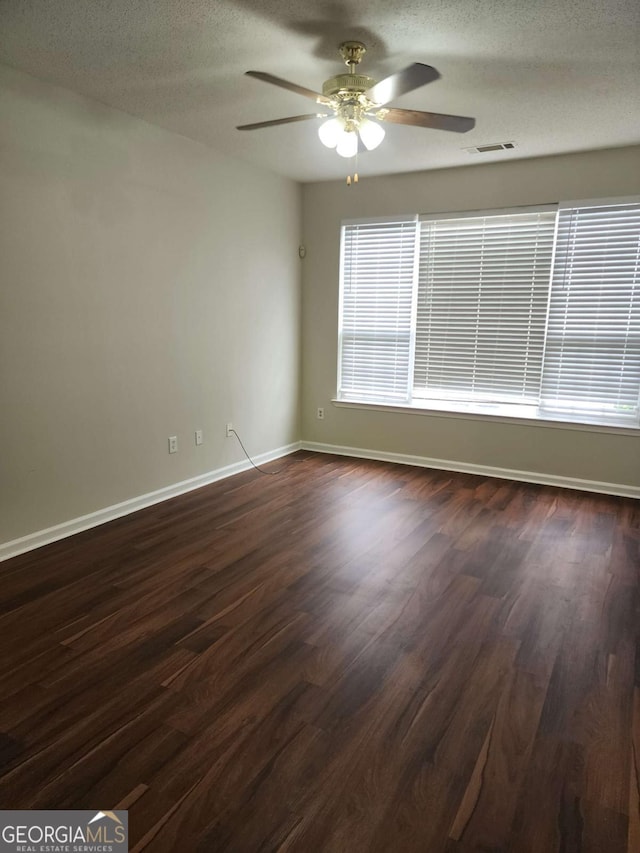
{"points": [[550, 75]]}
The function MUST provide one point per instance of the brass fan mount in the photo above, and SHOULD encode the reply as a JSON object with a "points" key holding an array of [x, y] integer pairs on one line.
{"points": [[352, 52]]}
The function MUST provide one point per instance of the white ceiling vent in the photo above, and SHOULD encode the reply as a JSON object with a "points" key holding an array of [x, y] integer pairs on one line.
{"points": [[491, 146]]}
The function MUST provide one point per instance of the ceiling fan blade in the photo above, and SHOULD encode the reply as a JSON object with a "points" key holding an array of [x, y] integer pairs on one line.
{"points": [[436, 121], [410, 78], [292, 87], [275, 121]]}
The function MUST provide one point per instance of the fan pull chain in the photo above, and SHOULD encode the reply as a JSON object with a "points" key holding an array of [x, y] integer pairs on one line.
{"points": [[355, 173]]}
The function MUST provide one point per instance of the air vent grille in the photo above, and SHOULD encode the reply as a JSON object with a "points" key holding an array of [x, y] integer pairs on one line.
{"points": [[491, 146]]}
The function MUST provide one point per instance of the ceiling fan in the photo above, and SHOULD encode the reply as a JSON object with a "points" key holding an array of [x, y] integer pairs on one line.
{"points": [[358, 104]]}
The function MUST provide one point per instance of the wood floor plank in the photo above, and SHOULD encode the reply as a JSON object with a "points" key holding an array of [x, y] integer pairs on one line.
{"points": [[348, 656]]}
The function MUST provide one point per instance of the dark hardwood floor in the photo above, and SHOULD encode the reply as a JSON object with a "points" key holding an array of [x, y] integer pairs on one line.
{"points": [[350, 656]]}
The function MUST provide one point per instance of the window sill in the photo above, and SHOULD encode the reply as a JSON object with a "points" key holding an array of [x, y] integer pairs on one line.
{"points": [[476, 414]]}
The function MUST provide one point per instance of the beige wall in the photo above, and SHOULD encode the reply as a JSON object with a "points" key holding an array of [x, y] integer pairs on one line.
{"points": [[149, 287], [604, 457]]}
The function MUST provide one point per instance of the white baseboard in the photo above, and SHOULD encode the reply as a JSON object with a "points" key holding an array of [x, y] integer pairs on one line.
{"points": [[67, 528], [619, 489], [101, 516]]}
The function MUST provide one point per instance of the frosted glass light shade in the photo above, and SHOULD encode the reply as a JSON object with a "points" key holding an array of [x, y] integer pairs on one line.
{"points": [[331, 131], [348, 144], [371, 134]]}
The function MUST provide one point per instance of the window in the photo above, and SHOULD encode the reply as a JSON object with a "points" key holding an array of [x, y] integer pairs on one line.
{"points": [[378, 271], [533, 312], [482, 307], [592, 358]]}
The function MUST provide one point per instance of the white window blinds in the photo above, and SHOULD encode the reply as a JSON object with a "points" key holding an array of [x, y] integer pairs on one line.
{"points": [[482, 306], [592, 359], [530, 312], [376, 347]]}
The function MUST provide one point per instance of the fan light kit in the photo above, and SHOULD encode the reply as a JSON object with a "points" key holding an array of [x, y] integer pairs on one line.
{"points": [[358, 105]]}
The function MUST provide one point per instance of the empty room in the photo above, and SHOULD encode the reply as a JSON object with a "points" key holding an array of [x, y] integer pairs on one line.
{"points": [[319, 427]]}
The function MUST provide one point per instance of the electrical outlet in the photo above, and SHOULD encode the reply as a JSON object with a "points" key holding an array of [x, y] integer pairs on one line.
{"points": [[229, 430], [320, 413], [173, 444], [198, 437]]}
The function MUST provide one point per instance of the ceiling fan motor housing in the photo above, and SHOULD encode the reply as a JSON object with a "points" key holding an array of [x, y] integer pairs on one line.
{"points": [[347, 84]]}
